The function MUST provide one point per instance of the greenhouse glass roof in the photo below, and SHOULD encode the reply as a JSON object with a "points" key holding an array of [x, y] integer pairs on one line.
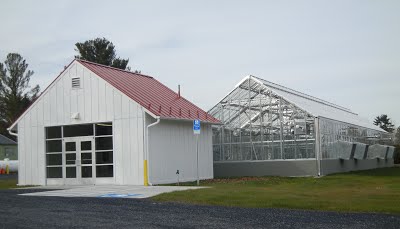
{"points": [[254, 88]]}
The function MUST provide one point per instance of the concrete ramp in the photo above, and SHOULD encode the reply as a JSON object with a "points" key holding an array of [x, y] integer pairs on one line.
{"points": [[108, 191]]}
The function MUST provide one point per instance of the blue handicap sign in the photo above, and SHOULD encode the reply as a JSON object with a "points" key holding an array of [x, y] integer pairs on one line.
{"points": [[196, 126]]}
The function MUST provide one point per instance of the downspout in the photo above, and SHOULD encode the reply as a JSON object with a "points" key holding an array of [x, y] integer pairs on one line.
{"points": [[145, 165], [12, 133]]}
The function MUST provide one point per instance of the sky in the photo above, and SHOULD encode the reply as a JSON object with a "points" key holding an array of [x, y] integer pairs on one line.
{"points": [[345, 51]]}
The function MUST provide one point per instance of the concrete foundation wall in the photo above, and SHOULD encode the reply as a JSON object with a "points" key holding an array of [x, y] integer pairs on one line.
{"points": [[339, 166], [295, 167], [266, 168]]}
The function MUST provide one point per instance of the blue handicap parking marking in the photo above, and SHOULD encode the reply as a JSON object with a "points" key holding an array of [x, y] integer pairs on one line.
{"points": [[115, 195]]}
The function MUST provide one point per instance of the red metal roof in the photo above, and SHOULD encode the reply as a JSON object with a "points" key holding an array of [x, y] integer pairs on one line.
{"points": [[150, 93]]}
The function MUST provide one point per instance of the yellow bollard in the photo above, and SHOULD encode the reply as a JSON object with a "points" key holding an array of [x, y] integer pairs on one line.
{"points": [[7, 170], [146, 178]]}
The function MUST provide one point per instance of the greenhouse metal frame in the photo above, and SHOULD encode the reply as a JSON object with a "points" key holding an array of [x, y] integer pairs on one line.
{"points": [[264, 121]]}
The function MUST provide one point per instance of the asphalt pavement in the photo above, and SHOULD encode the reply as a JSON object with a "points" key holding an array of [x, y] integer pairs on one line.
{"points": [[18, 211]]}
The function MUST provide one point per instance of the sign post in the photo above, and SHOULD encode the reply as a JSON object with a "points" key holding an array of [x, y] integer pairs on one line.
{"points": [[196, 131]]}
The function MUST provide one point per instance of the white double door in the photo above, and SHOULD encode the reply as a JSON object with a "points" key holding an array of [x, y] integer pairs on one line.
{"points": [[79, 161]]}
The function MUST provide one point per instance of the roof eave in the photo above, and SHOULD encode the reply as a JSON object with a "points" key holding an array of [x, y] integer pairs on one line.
{"points": [[191, 120]]}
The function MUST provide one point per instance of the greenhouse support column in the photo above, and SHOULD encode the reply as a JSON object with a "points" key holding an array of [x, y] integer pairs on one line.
{"points": [[252, 149], [317, 145], [230, 134], [261, 124], [223, 133], [307, 153], [251, 127], [270, 130], [295, 141], [281, 125], [240, 132]]}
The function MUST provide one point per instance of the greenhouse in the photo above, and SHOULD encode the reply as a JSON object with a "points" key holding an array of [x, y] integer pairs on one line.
{"points": [[268, 129]]}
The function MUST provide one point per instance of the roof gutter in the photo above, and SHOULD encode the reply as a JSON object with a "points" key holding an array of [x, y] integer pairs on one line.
{"points": [[12, 133], [146, 166]]}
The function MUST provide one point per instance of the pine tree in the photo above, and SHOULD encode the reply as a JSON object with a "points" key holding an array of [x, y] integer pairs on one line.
{"points": [[15, 92], [100, 51], [384, 122]]}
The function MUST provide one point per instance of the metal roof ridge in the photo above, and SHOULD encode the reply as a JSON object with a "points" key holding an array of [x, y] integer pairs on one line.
{"points": [[306, 96], [113, 68]]}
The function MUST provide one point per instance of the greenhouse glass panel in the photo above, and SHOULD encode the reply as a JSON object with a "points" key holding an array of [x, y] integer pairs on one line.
{"points": [[265, 121]]}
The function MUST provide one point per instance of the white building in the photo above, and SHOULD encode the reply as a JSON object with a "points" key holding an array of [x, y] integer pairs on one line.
{"points": [[96, 124]]}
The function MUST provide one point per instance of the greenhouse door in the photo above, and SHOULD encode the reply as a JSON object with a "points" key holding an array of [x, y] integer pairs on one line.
{"points": [[79, 165]]}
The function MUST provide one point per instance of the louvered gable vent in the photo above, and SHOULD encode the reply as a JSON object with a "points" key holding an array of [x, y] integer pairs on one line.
{"points": [[76, 83]]}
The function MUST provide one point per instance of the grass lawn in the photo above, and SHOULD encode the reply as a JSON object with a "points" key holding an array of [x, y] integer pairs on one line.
{"points": [[375, 190], [7, 182]]}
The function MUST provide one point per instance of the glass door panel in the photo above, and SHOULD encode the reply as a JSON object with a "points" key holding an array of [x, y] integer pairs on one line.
{"points": [[87, 171], [79, 160], [71, 172]]}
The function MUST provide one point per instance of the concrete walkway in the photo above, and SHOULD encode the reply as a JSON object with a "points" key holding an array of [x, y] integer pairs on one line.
{"points": [[107, 191]]}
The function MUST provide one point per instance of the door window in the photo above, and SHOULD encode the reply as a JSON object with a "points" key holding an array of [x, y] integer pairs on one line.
{"points": [[70, 146], [86, 171], [71, 172], [86, 145]]}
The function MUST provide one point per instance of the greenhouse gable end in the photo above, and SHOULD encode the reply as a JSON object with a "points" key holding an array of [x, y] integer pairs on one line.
{"points": [[269, 129]]}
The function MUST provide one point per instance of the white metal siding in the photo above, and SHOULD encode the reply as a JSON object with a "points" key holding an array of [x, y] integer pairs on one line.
{"points": [[172, 147], [97, 101]]}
